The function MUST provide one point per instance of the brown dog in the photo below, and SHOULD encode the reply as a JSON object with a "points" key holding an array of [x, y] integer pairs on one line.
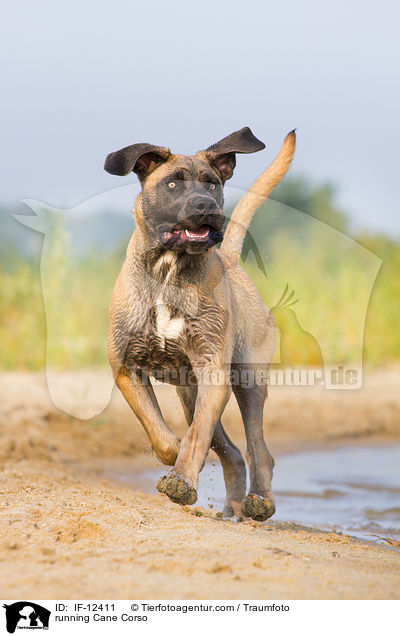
{"points": [[185, 312]]}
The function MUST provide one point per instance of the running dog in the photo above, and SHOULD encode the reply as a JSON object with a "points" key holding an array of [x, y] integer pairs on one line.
{"points": [[185, 312]]}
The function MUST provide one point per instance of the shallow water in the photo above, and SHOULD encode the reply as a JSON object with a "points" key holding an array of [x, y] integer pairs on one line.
{"points": [[354, 490]]}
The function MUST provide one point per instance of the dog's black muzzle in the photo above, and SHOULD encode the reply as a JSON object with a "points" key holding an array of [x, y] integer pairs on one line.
{"points": [[200, 229]]}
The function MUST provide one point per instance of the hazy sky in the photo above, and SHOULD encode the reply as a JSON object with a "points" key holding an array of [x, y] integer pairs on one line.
{"points": [[80, 79]]}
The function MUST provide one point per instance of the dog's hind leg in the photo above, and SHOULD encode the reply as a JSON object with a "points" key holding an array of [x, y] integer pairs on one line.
{"points": [[259, 503], [234, 473], [142, 400], [187, 396], [230, 456]]}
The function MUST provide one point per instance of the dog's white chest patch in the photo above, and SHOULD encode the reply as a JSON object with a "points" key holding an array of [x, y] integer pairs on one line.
{"points": [[166, 326]]}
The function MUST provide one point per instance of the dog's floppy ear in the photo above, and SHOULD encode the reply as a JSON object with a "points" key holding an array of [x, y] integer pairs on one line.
{"points": [[139, 158], [222, 155]]}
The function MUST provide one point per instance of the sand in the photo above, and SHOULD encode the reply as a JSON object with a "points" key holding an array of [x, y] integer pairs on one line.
{"points": [[67, 532]]}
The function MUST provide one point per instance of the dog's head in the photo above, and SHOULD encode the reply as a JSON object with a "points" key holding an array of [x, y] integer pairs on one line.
{"points": [[182, 196]]}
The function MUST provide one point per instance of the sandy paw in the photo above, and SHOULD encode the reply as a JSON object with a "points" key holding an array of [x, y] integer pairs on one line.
{"points": [[257, 507], [177, 489]]}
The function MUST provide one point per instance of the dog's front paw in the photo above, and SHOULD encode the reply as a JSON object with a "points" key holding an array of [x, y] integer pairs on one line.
{"points": [[257, 507], [177, 489]]}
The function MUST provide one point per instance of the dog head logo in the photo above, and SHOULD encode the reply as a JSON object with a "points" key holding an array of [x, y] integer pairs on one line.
{"points": [[26, 615]]}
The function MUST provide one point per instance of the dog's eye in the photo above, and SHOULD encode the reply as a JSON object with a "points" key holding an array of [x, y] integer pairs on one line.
{"points": [[212, 186], [171, 184]]}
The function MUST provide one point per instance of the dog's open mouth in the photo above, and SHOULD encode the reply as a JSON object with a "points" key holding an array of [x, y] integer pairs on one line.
{"points": [[180, 237], [183, 236]]}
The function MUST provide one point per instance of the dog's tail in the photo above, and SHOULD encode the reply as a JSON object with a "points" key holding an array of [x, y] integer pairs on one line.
{"points": [[243, 213]]}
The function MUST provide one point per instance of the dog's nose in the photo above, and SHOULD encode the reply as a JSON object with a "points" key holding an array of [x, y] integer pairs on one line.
{"points": [[204, 205]]}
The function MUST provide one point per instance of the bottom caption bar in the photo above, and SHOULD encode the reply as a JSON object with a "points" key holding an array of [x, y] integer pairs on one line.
{"points": [[86, 617]]}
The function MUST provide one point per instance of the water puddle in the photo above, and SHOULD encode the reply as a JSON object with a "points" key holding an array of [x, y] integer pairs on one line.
{"points": [[354, 490]]}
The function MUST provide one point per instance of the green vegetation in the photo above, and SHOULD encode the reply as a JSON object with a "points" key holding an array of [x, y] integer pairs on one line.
{"points": [[54, 302]]}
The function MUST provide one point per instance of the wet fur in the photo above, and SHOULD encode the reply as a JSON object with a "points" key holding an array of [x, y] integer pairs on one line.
{"points": [[191, 308]]}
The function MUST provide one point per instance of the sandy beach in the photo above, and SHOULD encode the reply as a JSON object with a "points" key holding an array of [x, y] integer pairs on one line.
{"points": [[68, 532]]}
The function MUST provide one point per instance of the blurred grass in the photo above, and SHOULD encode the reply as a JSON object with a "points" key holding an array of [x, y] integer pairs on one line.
{"points": [[76, 292], [57, 308], [338, 320]]}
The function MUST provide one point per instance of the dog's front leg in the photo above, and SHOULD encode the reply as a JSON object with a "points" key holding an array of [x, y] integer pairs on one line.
{"points": [[142, 400], [181, 483]]}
